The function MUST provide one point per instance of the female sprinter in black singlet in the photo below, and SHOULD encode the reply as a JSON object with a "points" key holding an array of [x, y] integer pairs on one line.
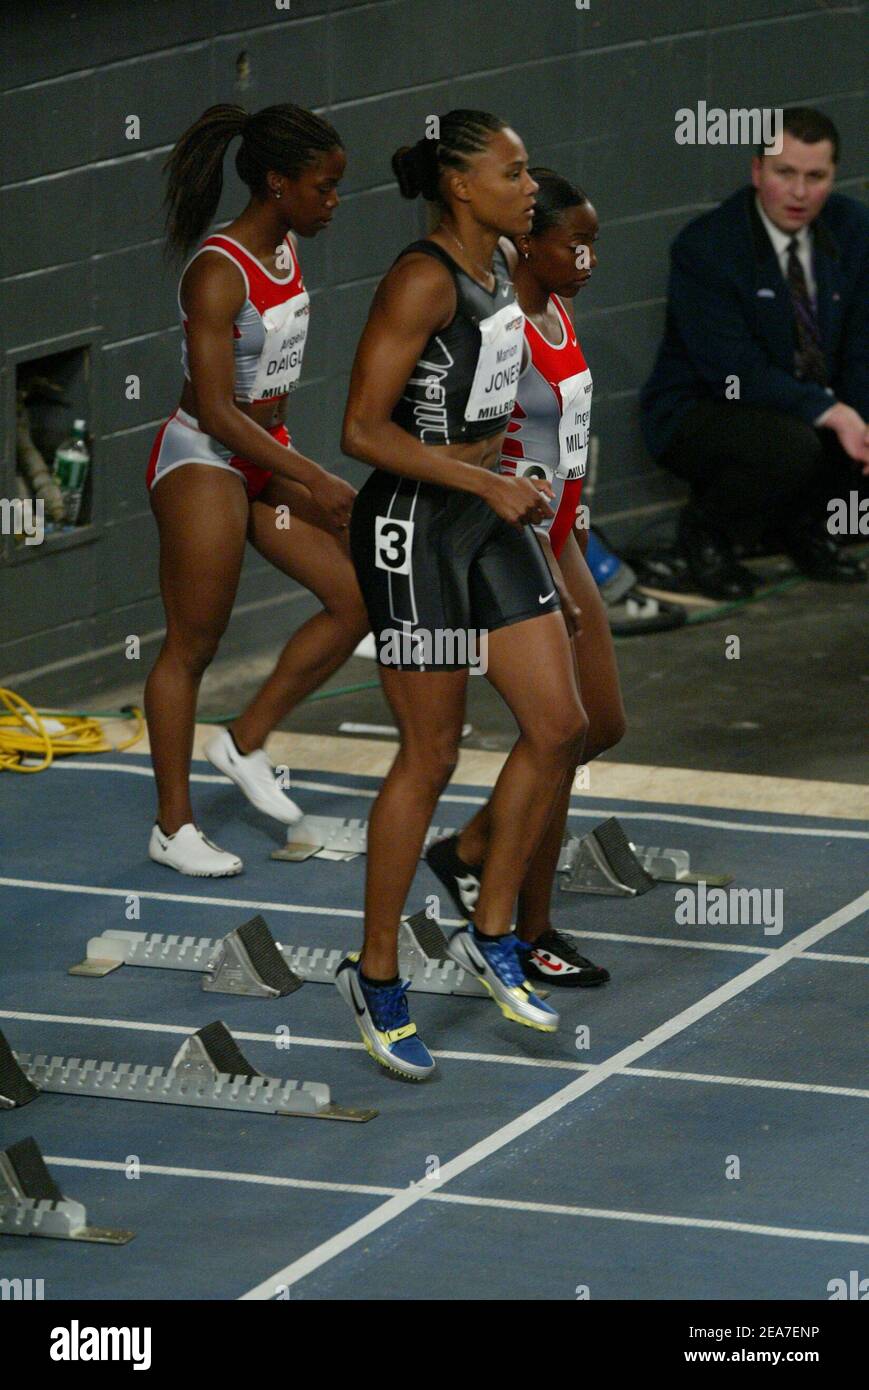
{"points": [[557, 258], [444, 555], [223, 463]]}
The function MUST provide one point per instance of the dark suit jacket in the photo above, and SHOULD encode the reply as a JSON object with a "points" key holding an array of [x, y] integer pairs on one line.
{"points": [[729, 313]]}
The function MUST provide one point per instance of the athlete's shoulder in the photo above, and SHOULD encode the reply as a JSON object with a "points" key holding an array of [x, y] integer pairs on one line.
{"points": [[213, 281], [417, 289]]}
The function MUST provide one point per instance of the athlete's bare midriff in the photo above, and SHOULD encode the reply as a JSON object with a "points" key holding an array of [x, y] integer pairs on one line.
{"points": [[482, 453], [263, 413]]}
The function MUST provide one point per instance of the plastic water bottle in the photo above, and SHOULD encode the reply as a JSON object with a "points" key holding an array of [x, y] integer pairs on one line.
{"points": [[71, 463]]}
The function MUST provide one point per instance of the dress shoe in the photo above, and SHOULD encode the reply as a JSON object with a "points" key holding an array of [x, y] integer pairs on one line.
{"points": [[817, 556], [710, 559]]}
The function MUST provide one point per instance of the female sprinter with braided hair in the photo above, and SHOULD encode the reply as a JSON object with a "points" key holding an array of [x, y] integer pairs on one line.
{"points": [[442, 545], [548, 437], [223, 462]]}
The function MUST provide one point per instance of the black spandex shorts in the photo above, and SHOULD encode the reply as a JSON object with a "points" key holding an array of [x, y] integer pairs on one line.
{"points": [[439, 569]]}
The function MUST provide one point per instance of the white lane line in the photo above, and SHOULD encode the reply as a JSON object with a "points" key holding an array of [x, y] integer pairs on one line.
{"points": [[356, 914], [164, 1171], [468, 800], [650, 1218], [639, 940], [496, 1058], [49, 887], [396, 1206], [460, 1199]]}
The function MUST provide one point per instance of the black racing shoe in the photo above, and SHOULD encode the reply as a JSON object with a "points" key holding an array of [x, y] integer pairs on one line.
{"points": [[462, 881], [554, 958]]}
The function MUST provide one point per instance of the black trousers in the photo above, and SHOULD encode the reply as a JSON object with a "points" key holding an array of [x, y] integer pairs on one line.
{"points": [[758, 473]]}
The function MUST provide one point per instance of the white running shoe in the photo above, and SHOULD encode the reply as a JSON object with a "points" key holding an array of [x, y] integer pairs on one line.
{"points": [[191, 852], [254, 774]]}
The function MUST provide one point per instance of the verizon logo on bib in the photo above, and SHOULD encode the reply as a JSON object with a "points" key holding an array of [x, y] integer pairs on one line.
{"points": [[493, 391], [573, 428], [280, 364]]}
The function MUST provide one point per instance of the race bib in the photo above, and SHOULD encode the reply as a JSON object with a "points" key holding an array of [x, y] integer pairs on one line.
{"points": [[574, 426], [499, 364], [280, 364], [529, 468], [393, 544]]}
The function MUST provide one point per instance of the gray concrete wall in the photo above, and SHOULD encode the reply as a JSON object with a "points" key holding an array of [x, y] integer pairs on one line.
{"points": [[593, 92]]}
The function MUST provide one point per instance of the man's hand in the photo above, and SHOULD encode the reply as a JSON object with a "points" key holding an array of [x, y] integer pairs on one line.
{"points": [[851, 430]]}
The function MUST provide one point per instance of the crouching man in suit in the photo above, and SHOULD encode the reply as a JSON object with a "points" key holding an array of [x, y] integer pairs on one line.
{"points": [[760, 392]]}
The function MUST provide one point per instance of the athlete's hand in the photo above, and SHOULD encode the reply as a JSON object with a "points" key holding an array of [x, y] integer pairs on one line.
{"points": [[335, 497], [520, 501]]}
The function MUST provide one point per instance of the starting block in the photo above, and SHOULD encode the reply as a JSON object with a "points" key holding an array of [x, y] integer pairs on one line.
{"points": [[208, 1070], [674, 866], [331, 837], [603, 861], [246, 961], [606, 861], [32, 1204], [421, 954], [15, 1089]]}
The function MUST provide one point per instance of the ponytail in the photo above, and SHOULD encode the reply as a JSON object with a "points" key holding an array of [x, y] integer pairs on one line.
{"points": [[195, 170], [418, 168], [283, 137]]}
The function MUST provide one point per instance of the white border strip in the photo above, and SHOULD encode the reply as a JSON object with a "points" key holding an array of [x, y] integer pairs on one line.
{"points": [[600, 812], [497, 1058], [459, 1199], [396, 1206]]}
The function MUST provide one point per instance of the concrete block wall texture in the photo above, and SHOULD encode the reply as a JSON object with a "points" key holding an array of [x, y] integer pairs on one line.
{"points": [[593, 92]]}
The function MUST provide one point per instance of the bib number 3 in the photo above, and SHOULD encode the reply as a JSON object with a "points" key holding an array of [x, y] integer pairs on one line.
{"points": [[393, 542]]}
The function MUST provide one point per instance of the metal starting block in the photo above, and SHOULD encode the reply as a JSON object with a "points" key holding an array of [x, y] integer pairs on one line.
{"points": [[331, 837], [207, 1070], [674, 866], [606, 861], [421, 952], [32, 1204], [246, 961], [603, 861]]}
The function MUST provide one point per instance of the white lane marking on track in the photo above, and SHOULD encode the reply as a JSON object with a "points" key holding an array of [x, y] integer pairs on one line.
{"points": [[396, 1206], [640, 940], [553, 1063], [609, 810], [460, 1199], [356, 914]]}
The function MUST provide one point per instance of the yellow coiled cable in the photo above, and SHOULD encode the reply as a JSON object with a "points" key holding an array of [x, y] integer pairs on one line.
{"points": [[23, 735]]}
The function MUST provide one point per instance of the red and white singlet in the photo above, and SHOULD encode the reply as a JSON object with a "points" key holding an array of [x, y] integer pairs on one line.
{"points": [[270, 328], [269, 334], [547, 436]]}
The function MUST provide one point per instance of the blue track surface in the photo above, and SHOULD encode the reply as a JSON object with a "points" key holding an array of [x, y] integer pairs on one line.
{"points": [[641, 1157]]}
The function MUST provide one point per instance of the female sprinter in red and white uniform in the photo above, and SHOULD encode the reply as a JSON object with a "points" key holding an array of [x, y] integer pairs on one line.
{"points": [[548, 438], [223, 463]]}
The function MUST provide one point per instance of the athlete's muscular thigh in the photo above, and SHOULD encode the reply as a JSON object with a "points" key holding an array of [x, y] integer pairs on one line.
{"points": [[201, 514]]}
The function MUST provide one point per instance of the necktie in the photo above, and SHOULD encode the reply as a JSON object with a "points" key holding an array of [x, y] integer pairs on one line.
{"points": [[809, 364]]}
